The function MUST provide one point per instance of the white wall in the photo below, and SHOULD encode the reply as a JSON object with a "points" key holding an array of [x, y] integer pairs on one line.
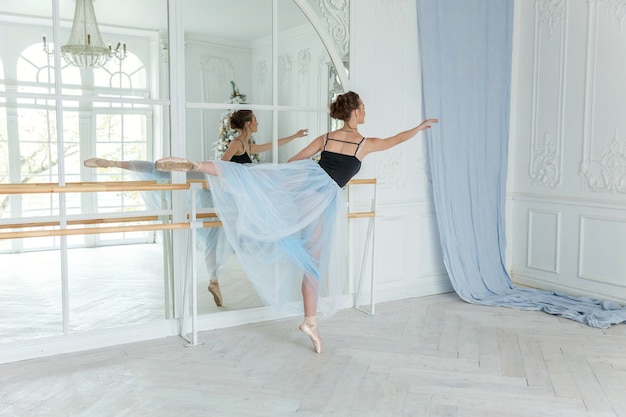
{"points": [[567, 175], [384, 71]]}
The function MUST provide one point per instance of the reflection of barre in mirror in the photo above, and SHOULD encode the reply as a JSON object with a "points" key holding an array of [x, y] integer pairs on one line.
{"points": [[289, 215], [211, 240], [239, 150]]}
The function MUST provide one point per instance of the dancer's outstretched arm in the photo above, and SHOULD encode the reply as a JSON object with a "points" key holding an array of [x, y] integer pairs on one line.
{"points": [[311, 149], [263, 147], [377, 144]]}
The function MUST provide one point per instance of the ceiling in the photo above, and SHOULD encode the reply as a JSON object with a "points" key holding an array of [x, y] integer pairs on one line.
{"points": [[240, 20]]}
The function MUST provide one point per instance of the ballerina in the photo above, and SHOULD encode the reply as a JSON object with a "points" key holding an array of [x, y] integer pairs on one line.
{"points": [[289, 213]]}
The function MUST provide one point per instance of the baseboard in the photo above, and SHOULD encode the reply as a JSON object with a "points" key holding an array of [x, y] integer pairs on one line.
{"points": [[542, 284], [56, 345]]}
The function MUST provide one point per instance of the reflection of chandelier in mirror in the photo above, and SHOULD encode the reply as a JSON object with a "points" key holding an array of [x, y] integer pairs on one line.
{"points": [[85, 48]]}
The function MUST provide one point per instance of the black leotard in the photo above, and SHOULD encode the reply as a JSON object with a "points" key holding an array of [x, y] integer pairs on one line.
{"points": [[340, 167], [244, 158]]}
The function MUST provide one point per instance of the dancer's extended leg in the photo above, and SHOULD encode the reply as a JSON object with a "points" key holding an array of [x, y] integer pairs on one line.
{"points": [[105, 163]]}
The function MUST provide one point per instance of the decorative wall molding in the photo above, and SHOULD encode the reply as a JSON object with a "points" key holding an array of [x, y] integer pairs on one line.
{"points": [[617, 11], [423, 171], [550, 14], [544, 240], [390, 171], [394, 12], [545, 167], [215, 70], [603, 165], [608, 173], [261, 72], [285, 65], [304, 62], [602, 263], [337, 14]]}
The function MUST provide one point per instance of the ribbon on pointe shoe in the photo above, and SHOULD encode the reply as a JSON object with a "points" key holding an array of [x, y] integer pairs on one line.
{"points": [[173, 163], [214, 289], [309, 328], [97, 163]]}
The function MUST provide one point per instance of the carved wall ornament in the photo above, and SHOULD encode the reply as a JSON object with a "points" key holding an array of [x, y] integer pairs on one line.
{"points": [[617, 10], [544, 163], [608, 173], [164, 51], [215, 77], [337, 17], [304, 61], [221, 69], [548, 98], [550, 13], [394, 11], [390, 172], [285, 65], [261, 69], [423, 171]]}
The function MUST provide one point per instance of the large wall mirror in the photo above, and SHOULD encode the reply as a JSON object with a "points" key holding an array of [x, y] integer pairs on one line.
{"points": [[268, 49], [265, 56]]}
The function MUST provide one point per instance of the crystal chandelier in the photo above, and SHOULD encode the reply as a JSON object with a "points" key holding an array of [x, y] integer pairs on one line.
{"points": [[85, 48]]}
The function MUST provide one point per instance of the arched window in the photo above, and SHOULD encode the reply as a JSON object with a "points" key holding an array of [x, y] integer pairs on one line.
{"points": [[117, 128]]}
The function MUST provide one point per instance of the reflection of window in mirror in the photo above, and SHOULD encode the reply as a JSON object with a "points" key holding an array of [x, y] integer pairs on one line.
{"points": [[121, 131]]}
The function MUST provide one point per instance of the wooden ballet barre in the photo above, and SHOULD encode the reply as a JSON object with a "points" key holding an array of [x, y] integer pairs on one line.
{"points": [[79, 222], [93, 230], [89, 187], [362, 181], [117, 186], [106, 229], [97, 221], [362, 214]]}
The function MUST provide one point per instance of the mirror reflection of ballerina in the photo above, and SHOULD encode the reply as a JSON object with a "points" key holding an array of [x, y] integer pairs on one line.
{"points": [[239, 150]]}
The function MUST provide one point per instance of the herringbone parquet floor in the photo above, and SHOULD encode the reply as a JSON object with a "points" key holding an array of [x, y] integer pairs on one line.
{"points": [[430, 356]]}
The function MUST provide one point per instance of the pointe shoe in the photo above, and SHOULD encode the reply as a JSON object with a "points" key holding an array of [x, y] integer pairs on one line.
{"points": [[214, 288], [310, 329], [172, 163], [97, 163]]}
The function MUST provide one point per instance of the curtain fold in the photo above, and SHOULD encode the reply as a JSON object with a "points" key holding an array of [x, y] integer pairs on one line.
{"points": [[466, 50]]}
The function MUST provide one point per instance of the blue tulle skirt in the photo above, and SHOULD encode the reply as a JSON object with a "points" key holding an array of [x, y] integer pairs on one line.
{"points": [[286, 222], [212, 240]]}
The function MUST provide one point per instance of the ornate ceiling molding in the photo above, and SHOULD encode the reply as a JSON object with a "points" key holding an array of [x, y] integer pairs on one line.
{"points": [[337, 15]]}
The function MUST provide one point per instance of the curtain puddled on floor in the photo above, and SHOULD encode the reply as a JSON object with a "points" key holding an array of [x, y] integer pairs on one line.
{"points": [[466, 49]]}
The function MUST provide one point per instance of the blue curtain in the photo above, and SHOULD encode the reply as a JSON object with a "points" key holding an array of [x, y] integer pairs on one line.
{"points": [[465, 48]]}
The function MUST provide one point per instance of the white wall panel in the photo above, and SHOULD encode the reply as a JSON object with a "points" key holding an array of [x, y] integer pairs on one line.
{"points": [[602, 249], [544, 231], [548, 93], [384, 70], [567, 162], [603, 159]]}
